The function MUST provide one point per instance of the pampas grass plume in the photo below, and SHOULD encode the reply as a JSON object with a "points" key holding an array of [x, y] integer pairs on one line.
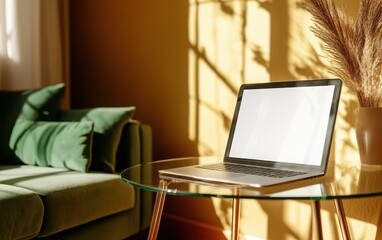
{"points": [[353, 46]]}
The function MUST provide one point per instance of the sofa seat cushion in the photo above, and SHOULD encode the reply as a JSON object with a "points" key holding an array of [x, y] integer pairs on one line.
{"points": [[21, 213], [72, 198]]}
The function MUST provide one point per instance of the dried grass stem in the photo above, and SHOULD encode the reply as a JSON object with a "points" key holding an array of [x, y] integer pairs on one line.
{"points": [[354, 46]]}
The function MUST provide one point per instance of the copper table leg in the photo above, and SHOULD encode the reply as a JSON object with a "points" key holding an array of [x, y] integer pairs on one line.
{"points": [[316, 220], [235, 217], [342, 219], [158, 209]]}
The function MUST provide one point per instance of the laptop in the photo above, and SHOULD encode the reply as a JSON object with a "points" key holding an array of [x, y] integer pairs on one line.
{"points": [[280, 132]]}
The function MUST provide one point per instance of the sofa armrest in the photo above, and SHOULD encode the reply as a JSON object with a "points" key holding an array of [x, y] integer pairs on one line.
{"points": [[147, 197], [146, 143], [135, 146]]}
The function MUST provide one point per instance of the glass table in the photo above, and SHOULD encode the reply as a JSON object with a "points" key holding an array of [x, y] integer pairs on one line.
{"points": [[340, 182]]}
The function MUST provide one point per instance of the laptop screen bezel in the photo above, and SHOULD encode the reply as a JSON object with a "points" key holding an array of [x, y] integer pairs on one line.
{"points": [[337, 83]]}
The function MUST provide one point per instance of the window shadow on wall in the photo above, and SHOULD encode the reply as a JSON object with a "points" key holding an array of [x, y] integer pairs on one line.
{"points": [[283, 63]]}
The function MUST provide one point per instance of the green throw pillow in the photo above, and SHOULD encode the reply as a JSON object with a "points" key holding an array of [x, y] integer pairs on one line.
{"points": [[53, 144], [108, 126], [35, 104]]}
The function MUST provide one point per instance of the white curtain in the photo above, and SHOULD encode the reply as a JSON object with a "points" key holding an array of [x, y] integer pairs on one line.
{"points": [[34, 45]]}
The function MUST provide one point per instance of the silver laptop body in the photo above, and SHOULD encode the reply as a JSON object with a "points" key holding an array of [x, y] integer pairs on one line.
{"points": [[286, 126]]}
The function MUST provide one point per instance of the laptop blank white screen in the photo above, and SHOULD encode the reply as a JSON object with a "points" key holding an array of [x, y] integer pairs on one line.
{"points": [[285, 125]]}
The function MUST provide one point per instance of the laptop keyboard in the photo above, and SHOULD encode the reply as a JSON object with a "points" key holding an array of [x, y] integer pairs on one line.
{"points": [[258, 171]]}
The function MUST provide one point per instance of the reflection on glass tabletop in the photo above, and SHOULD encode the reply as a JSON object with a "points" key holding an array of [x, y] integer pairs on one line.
{"points": [[340, 181]]}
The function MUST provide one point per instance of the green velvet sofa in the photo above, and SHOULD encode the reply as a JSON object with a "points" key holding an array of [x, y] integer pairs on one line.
{"points": [[43, 195]]}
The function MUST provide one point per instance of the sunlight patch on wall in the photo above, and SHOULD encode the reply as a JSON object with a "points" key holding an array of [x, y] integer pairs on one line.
{"points": [[254, 220], [229, 46], [305, 55], [296, 219], [346, 147], [230, 43], [257, 55], [361, 229]]}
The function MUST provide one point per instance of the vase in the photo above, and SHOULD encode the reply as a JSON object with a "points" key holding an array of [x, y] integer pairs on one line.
{"points": [[368, 130]]}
